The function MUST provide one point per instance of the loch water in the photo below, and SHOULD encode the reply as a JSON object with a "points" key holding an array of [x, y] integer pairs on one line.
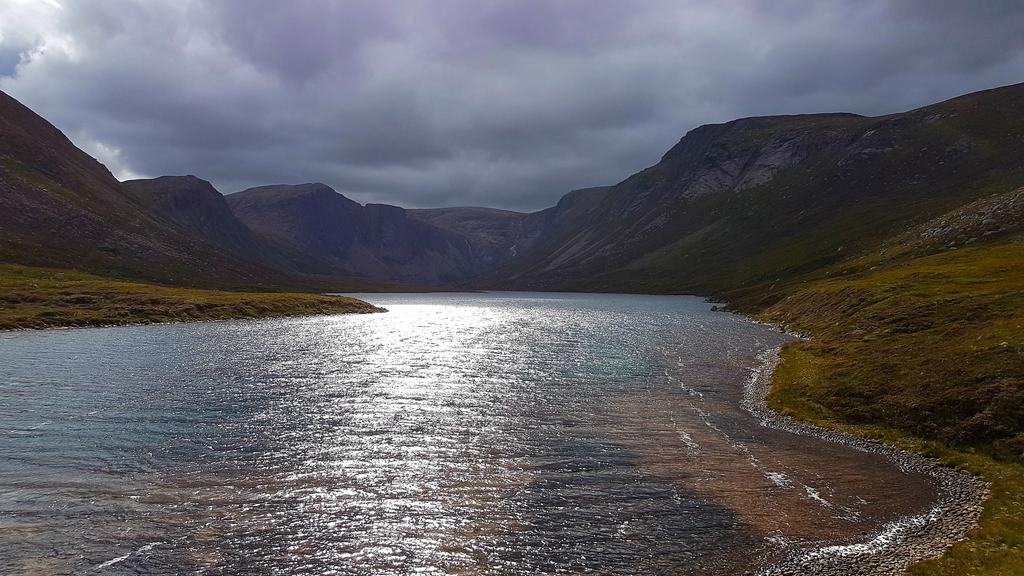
{"points": [[492, 433]]}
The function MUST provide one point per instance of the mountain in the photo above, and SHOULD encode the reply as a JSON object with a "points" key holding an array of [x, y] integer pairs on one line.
{"points": [[739, 210], [59, 207], [499, 238], [492, 234], [736, 208], [376, 240], [921, 334], [196, 209]]}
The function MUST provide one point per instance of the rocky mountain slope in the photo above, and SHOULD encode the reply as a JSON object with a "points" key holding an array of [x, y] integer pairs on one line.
{"points": [[735, 208], [739, 210], [59, 207], [196, 209], [493, 235], [344, 237]]}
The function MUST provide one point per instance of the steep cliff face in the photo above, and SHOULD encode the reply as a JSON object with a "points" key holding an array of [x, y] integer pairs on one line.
{"points": [[195, 207], [500, 239], [562, 233], [311, 218], [735, 208], [376, 240], [492, 234], [414, 251]]}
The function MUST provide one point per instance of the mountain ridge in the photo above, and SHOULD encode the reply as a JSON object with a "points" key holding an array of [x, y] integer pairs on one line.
{"points": [[732, 205], [61, 208], [895, 242], [730, 210], [375, 240]]}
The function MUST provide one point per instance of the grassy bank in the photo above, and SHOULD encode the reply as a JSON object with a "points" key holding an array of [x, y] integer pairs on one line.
{"points": [[924, 353], [47, 298]]}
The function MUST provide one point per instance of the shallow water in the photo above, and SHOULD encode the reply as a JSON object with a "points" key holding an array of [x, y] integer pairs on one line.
{"points": [[462, 434]]}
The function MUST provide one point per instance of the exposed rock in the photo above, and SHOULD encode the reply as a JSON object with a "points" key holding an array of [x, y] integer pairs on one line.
{"points": [[731, 205], [993, 215]]}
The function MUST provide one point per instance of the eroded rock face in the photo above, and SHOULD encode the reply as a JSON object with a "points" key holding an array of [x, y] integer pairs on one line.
{"points": [[757, 200], [495, 236], [734, 160], [996, 215]]}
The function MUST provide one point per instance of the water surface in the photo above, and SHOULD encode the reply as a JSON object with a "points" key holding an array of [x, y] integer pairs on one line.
{"points": [[458, 434]]}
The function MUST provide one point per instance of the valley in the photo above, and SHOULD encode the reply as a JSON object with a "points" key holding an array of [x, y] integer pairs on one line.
{"points": [[894, 243]]}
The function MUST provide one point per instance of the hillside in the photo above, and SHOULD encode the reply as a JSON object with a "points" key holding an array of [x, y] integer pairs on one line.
{"points": [[920, 344], [960, 299], [736, 208], [194, 208], [344, 237], [61, 208], [492, 234]]}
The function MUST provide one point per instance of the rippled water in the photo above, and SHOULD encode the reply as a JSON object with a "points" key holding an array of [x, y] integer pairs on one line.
{"points": [[460, 434]]}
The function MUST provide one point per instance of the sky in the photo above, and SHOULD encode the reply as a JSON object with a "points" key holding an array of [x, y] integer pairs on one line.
{"points": [[507, 104]]}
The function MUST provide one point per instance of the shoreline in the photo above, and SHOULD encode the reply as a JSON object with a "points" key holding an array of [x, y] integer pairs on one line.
{"points": [[43, 298], [129, 324], [901, 542]]}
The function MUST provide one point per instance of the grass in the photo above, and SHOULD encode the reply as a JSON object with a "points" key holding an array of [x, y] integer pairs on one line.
{"points": [[48, 298], [995, 547], [933, 346], [926, 354]]}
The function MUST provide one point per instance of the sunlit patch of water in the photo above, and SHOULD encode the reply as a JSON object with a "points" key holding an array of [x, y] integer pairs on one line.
{"points": [[466, 434]]}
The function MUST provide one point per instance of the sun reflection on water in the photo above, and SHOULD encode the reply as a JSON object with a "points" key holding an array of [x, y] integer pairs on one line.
{"points": [[460, 434]]}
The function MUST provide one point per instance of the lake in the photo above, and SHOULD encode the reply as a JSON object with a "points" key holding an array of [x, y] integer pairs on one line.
{"points": [[498, 433]]}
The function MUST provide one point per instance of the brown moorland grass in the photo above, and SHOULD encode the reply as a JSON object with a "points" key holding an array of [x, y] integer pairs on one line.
{"points": [[926, 354], [48, 298]]}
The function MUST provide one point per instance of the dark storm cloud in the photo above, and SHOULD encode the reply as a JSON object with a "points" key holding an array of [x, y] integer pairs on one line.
{"points": [[501, 103]]}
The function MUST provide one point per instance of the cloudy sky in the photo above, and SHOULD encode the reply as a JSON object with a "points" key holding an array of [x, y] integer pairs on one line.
{"points": [[475, 102]]}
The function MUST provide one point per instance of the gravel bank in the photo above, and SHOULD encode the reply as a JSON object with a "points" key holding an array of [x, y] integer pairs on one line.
{"points": [[891, 550]]}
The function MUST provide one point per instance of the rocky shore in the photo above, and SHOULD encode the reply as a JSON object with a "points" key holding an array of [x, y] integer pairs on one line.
{"points": [[891, 550]]}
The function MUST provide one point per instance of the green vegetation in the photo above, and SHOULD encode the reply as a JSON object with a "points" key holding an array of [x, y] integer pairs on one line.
{"points": [[46, 298], [995, 547], [856, 183], [932, 346], [926, 353]]}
